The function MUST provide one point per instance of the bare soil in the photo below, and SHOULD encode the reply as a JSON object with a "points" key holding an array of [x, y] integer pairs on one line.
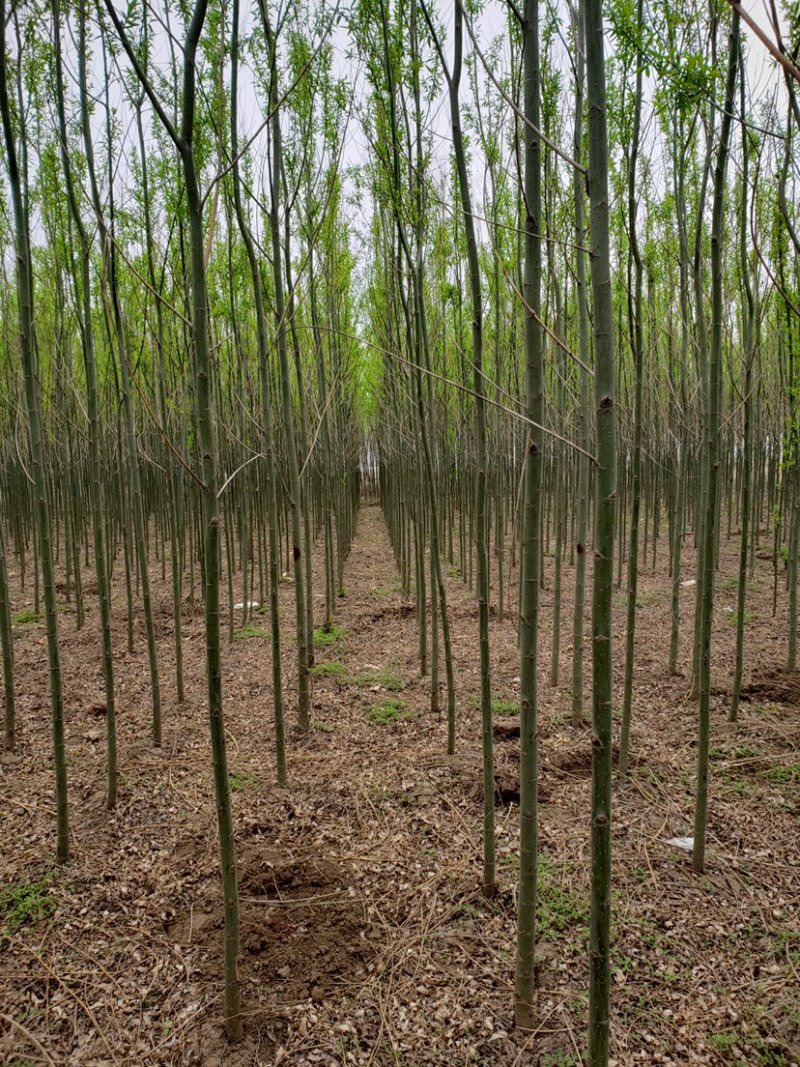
{"points": [[365, 937]]}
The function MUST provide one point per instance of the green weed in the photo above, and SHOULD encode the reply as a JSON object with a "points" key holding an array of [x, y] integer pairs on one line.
{"points": [[386, 679], [739, 787], [24, 617], [557, 910], [505, 707], [559, 1058], [249, 631], [789, 775], [26, 902], [387, 712], [733, 617], [329, 670], [241, 780], [328, 635], [723, 1042]]}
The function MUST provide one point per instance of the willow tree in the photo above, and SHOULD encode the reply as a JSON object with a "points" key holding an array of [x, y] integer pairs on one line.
{"points": [[531, 518], [183, 138], [605, 493], [584, 412], [262, 341], [712, 452], [453, 79], [422, 362], [41, 487], [83, 305], [295, 487], [636, 336], [750, 330]]}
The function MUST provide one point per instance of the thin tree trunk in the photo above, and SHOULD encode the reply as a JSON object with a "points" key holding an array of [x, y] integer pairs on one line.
{"points": [[605, 493]]}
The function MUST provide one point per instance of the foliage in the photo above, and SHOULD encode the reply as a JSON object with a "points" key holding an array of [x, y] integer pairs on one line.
{"points": [[505, 707], [386, 679], [329, 669], [25, 902], [388, 712], [327, 635], [242, 780]]}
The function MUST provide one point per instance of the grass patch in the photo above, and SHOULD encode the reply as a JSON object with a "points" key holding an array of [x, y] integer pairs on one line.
{"points": [[24, 617], [765, 711], [386, 679], [789, 775], [328, 635], [505, 707], [242, 780], [733, 617], [329, 670], [559, 1058], [388, 590], [323, 727], [645, 599], [25, 902], [734, 770], [387, 712], [557, 910], [738, 787], [249, 631], [740, 752]]}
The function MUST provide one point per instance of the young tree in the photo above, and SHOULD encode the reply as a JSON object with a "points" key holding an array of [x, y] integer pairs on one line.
{"points": [[41, 487], [605, 492], [184, 140]]}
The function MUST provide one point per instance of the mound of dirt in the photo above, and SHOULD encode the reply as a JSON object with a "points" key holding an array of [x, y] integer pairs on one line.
{"points": [[777, 685], [303, 928]]}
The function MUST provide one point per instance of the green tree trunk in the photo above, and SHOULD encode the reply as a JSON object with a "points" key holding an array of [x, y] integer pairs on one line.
{"points": [[605, 494], [712, 450], [41, 488], [531, 547]]}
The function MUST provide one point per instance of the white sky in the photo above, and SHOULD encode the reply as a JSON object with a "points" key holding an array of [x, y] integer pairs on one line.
{"points": [[764, 79]]}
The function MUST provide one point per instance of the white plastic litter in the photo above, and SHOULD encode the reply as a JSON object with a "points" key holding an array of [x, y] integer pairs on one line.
{"points": [[686, 843], [688, 582], [247, 604]]}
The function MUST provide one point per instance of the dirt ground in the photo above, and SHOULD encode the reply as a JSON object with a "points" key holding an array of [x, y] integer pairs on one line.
{"points": [[365, 938]]}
